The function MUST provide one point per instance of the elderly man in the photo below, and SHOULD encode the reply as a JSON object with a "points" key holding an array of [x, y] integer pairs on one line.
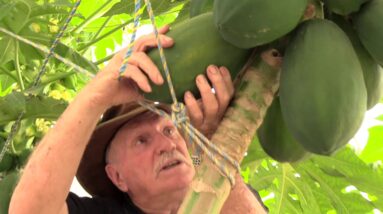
{"points": [[134, 161]]}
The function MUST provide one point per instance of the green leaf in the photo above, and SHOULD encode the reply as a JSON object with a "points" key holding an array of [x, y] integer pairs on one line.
{"points": [[33, 106], [44, 107], [354, 170], [374, 148], [7, 47], [333, 188], [5, 9], [11, 106], [7, 185], [75, 57], [19, 16], [254, 153]]}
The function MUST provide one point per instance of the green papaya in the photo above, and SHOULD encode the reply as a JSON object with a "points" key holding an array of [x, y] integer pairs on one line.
{"points": [[198, 7], [372, 73], [276, 140], [197, 45], [344, 7], [322, 91], [369, 26], [7, 185], [250, 23]]}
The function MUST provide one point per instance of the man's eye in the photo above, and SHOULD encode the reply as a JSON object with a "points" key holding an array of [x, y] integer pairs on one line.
{"points": [[141, 141], [169, 131]]}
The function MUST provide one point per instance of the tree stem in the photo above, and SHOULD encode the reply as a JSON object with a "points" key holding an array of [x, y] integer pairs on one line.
{"points": [[254, 95]]}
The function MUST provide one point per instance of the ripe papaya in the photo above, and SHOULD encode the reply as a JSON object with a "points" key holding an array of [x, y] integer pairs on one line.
{"points": [[322, 92], [369, 26], [276, 140], [344, 7], [250, 23], [7, 185], [197, 45], [372, 73]]}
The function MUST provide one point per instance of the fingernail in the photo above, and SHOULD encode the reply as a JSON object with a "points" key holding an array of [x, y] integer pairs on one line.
{"points": [[188, 95], [168, 39], [213, 69], [160, 80], [224, 71], [200, 79]]}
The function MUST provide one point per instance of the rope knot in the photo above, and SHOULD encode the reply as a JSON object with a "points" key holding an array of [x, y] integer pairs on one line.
{"points": [[179, 113]]}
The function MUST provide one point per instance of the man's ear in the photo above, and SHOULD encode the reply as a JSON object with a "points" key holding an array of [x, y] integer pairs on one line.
{"points": [[115, 177]]}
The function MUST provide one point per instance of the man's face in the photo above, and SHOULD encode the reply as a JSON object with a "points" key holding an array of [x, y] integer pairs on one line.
{"points": [[151, 157]]}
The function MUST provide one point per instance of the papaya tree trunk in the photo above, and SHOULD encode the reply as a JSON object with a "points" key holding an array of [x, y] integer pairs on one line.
{"points": [[254, 94]]}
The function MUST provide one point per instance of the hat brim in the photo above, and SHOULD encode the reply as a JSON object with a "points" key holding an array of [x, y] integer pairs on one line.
{"points": [[91, 172]]}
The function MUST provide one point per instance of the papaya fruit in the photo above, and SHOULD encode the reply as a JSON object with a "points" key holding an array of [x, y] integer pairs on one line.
{"points": [[197, 44], [344, 7], [322, 91], [276, 140], [198, 7], [250, 23], [372, 73], [7, 185], [369, 26]]}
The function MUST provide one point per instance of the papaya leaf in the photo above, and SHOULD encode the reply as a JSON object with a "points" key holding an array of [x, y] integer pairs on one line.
{"points": [[292, 194], [183, 14], [11, 106], [158, 6], [254, 153], [76, 58], [334, 188], [5, 9], [7, 46], [16, 20], [354, 170], [34, 107], [374, 148], [5, 85], [44, 107], [7, 184]]}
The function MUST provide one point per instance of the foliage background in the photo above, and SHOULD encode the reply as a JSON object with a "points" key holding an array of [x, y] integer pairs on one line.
{"points": [[350, 181]]}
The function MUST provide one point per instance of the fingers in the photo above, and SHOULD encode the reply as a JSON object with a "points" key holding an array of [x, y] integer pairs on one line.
{"points": [[194, 109], [209, 100], [221, 81], [164, 29], [150, 41], [146, 65], [138, 77]]}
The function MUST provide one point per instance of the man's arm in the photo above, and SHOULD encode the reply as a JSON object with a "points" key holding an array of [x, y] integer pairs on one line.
{"points": [[242, 200], [47, 177]]}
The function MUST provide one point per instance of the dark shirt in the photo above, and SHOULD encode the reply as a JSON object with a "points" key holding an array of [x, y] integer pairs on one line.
{"points": [[97, 205]]}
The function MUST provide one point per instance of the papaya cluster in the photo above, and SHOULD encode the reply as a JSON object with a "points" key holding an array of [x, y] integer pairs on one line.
{"points": [[330, 73]]}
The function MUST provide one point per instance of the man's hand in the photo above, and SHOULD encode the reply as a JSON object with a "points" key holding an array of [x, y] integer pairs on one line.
{"points": [[105, 90], [206, 113]]}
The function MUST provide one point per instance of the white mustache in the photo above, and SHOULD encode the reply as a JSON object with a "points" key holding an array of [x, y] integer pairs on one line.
{"points": [[167, 157]]}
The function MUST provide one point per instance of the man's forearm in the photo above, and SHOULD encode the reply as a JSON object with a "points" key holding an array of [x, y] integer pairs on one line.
{"points": [[242, 200], [47, 177]]}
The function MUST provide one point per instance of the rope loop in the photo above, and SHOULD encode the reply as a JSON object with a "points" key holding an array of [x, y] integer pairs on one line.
{"points": [[179, 113]]}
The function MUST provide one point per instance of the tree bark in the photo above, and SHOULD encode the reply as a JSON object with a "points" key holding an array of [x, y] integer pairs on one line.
{"points": [[254, 94]]}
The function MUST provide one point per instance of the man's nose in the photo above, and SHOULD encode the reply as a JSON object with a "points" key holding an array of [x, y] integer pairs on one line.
{"points": [[164, 143]]}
